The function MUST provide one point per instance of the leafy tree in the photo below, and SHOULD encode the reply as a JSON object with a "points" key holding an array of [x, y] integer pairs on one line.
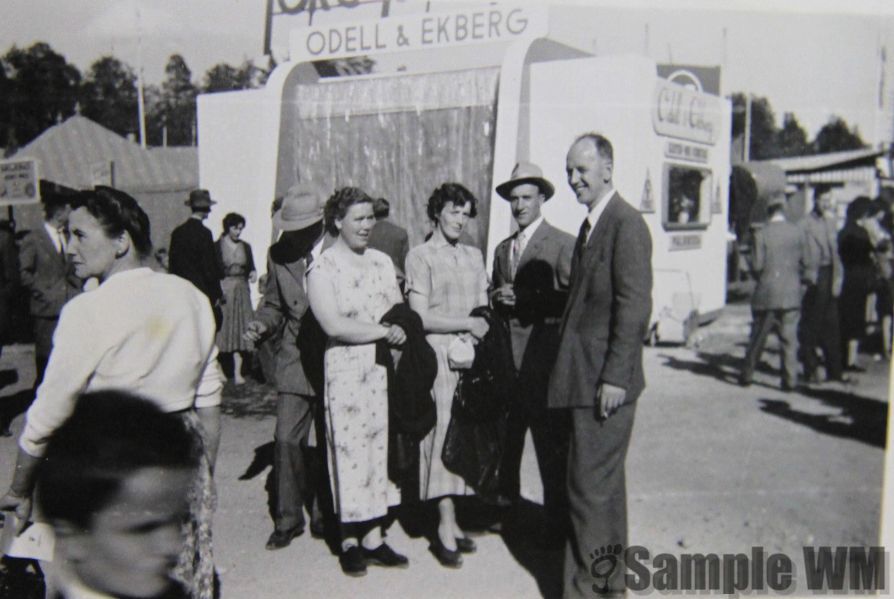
{"points": [[835, 136], [174, 110], [42, 90], [763, 125], [223, 77], [791, 139], [109, 95]]}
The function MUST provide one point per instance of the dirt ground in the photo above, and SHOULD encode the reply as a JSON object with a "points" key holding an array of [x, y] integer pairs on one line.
{"points": [[712, 468]]}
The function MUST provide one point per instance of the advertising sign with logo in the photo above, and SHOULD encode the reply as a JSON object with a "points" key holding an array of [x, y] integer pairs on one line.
{"points": [[682, 113], [19, 182], [419, 32]]}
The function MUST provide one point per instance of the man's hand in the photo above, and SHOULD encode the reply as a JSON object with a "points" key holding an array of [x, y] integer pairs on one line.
{"points": [[505, 295], [608, 399], [395, 336], [254, 331], [20, 506]]}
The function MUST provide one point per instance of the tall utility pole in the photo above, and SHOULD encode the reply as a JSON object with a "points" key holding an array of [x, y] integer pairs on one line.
{"points": [[141, 106], [746, 147]]}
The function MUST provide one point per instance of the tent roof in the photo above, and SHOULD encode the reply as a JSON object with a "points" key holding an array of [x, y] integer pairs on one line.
{"points": [[69, 153], [824, 161]]}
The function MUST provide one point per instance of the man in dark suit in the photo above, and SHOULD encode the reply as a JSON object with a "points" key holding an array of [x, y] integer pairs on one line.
{"points": [[48, 276], [299, 363], [192, 254], [598, 373], [532, 269], [389, 238], [781, 263]]}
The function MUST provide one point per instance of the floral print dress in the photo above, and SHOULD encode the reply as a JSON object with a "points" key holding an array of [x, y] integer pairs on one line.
{"points": [[355, 395]]}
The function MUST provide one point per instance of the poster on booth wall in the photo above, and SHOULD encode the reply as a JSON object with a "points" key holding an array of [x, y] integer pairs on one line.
{"points": [[19, 182]]}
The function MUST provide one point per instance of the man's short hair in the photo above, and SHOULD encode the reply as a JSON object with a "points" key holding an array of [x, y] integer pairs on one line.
{"points": [[110, 436], [603, 145], [381, 208], [53, 203]]}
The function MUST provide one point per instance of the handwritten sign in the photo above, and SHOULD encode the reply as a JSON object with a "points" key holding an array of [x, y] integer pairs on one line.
{"points": [[682, 113], [681, 151], [19, 183], [419, 32]]}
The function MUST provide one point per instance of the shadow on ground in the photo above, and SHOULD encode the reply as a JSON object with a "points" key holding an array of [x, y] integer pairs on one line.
{"points": [[250, 400]]}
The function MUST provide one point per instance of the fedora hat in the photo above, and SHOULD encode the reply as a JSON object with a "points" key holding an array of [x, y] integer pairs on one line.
{"points": [[526, 172], [199, 198], [301, 207]]}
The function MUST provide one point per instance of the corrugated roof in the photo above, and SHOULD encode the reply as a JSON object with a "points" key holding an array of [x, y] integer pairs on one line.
{"points": [[70, 152], [822, 161]]}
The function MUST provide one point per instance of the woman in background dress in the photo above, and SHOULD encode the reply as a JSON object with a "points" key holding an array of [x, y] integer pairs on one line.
{"points": [[445, 281], [350, 288], [238, 267]]}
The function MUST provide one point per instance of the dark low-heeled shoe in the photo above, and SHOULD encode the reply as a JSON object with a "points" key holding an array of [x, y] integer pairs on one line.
{"points": [[385, 556], [466, 545], [283, 538], [352, 562], [446, 557]]}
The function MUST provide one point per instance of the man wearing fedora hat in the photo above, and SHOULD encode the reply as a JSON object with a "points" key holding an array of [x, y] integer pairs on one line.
{"points": [[298, 471], [532, 269], [192, 254]]}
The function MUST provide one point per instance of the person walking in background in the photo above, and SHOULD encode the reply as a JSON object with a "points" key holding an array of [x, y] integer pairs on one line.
{"points": [[351, 287], [390, 238], [147, 332], [818, 327], [48, 277], [115, 487], [446, 279], [598, 374], [781, 265], [283, 310], [238, 267], [192, 255], [529, 288], [856, 251], [880, 236]]}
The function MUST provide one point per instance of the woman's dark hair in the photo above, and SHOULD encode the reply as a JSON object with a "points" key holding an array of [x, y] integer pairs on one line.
{"points": [[453, 193], [338, 203], [117, 212], [859, 207], [109, 437], [233, 219]]}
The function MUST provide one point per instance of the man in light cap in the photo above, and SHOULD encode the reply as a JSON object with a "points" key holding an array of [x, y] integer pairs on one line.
{"points": [[299, 362], [781, 263], [532, 268], [192, 255]]}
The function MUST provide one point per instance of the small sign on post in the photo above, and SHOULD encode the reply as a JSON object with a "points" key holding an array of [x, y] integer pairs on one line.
{"points": [[19, 182]]}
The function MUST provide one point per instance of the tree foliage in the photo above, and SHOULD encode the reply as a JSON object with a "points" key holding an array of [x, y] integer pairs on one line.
{"points": [[172, 112], [836, 136], [109, 95], [792, 139]]}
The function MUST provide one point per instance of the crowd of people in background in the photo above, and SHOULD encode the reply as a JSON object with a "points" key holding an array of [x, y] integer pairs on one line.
{"points": [[374, 348]]}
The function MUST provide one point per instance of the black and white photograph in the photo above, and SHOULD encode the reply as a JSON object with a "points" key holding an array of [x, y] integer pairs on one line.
{"points": [[442, 298]]}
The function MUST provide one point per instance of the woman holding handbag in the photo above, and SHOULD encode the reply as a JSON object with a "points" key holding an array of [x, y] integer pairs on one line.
{"points": [[445, 281]]}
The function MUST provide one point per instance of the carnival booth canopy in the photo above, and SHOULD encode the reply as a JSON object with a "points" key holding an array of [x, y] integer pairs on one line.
{"points": [[79, 153]]}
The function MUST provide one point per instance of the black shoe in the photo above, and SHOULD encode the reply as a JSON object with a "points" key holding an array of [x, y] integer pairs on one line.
{"points": [[352, 562], [385, 556], [282, 538], [446, 557], [465, 545], [317, 528], [854, 368], [744, 382]]}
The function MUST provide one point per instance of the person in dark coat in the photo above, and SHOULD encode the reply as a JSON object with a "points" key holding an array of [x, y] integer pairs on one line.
{"points": [[856, 251], [192, 254], [390, 238], [529, 288]]}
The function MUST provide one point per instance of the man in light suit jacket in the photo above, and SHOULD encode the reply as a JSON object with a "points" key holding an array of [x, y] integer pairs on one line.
{"points": [[298, 472], [193, 256], [532, 269], [781, 263], [598, 373], [48, 276], [390, 238]]}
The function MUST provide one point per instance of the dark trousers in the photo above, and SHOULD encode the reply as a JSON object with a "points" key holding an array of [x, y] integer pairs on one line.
{"points": [[597, 498], [294, 463], [786, 324], [550, 431], [819, 327]]}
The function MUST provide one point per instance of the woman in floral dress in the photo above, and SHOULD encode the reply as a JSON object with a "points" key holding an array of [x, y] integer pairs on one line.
{"points": [[239, 270], [445, 281], [350, 288]]}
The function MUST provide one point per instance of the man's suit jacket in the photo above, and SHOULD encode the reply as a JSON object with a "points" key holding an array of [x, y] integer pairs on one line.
{"points": [[820, 231], [781, 261], [541, 289], [193, 256], [299, 361], [47, 274], [608, 310], [394, 241]]}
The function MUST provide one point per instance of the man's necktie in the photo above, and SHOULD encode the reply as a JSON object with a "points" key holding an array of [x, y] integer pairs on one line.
{"points": [[582, 238], [516, 251]]}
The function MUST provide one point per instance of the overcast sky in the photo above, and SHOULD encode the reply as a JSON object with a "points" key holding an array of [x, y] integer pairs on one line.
{"points": [[814, 58]]}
